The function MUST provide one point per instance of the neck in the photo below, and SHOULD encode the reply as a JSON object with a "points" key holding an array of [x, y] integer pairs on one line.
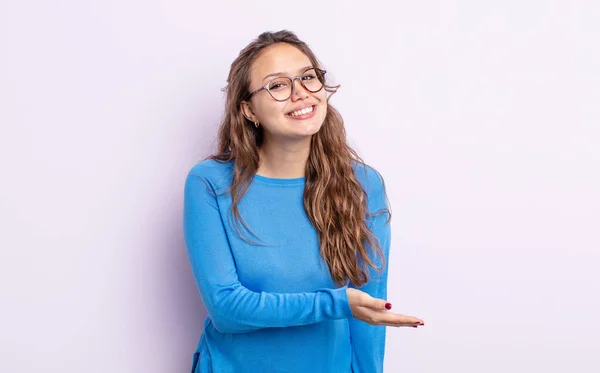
{"points": [[284, 160]]}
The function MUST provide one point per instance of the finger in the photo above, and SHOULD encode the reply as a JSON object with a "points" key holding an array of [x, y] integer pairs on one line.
{"points": [[414, 324], [411, 320], [395, 319]]}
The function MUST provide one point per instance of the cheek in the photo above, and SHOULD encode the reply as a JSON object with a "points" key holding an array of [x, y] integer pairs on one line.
{"points": [[323, 112], [323, 106], [269, 110]]}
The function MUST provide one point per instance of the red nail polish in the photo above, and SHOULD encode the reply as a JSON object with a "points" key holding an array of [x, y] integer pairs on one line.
{"points": [[388, 306]]}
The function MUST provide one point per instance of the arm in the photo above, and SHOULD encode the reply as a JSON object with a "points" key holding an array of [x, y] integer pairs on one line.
{"points": [[368, 341], [232, 307]]}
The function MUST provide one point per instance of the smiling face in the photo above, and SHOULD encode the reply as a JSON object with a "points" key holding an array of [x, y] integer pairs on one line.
{"points": [[298, 117]]}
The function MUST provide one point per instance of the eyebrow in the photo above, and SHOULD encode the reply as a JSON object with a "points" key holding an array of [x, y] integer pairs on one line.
{"points": [[303, 69]]}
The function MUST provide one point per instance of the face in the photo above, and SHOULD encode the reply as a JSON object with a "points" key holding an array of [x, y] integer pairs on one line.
{"points": [[281, 120]]}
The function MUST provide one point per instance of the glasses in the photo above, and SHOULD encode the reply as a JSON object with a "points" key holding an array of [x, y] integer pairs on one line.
{"points": [[282, 88]]}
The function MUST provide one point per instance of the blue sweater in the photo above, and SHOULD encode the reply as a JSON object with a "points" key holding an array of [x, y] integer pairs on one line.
{"points": [[274, 308]]}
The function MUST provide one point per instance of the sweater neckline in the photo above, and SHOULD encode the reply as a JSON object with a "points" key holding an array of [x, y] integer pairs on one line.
{"points": [[279, 181]]}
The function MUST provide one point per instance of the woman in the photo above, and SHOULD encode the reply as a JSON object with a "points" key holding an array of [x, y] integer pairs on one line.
{"points": [[285, 224]]}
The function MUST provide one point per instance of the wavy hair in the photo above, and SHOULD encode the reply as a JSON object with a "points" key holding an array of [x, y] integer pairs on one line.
{"points": [[334, 200]]}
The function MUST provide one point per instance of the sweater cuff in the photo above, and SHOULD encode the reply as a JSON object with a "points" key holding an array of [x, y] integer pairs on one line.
{"points": [[341, 303]]}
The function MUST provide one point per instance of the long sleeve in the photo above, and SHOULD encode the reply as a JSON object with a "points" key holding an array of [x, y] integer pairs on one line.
{"points": [[368, 341], [232, 307]]}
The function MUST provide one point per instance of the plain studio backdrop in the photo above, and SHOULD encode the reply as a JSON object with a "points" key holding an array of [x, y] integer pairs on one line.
{"points": [[482, 116]]}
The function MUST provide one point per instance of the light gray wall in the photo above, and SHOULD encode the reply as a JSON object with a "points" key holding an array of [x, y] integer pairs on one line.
{"points": [[482, 116]]}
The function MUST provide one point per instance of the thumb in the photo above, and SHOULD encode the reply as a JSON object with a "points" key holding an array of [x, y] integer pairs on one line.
{"points": [[379, 304]]}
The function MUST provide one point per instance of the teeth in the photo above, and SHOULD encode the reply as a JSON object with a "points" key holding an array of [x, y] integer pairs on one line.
{"points": [[301, 112]]}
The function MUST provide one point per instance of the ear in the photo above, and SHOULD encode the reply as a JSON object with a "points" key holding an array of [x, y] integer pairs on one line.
{"points": [[247, 110]]}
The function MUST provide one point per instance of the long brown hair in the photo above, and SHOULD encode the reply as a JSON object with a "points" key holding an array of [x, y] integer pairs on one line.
{"points": [[334, 200]]}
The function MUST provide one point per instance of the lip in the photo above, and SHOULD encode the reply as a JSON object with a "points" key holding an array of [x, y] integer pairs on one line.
{"points": [[304, 106], [305, 116]]}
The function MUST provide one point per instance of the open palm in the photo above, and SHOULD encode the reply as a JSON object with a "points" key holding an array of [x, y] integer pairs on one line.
{"points": [[373, 311]]}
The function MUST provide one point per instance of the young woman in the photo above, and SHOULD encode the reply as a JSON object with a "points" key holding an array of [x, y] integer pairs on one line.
{"points": [[287, 230]]}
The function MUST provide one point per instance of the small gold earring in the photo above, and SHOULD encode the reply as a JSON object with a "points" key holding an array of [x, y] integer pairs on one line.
{"points": [[256, 124]]}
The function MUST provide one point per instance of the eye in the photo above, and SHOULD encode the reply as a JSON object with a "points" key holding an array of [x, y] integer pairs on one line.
{"points": [[308, 76], [278, 85]]}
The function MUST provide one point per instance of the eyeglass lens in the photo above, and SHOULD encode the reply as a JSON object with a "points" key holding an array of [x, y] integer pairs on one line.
{"points": [[281, 88]]}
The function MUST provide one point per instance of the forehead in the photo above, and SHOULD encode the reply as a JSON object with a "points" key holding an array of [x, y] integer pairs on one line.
{"points": [[279, 57]]}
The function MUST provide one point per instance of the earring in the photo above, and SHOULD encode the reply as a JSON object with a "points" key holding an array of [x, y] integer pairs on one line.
{"points": [[256, 124]]}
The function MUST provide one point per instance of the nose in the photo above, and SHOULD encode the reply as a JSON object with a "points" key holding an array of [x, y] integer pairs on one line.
{"points": [[298, 91]]}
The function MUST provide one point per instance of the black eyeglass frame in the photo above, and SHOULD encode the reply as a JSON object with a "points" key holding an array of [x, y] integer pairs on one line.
{"points": [[266, 86]]}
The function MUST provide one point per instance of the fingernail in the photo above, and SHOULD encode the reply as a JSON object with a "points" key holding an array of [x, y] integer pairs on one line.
{"points": [[388, 306]]}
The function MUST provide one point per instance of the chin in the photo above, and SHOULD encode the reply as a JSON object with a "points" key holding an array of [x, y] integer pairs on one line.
{"points": [[310, 127]]}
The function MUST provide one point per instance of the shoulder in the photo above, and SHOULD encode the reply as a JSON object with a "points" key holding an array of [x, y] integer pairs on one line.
{"points": [[216, 173], [210, 167], [373, 184], [370, 179]]}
